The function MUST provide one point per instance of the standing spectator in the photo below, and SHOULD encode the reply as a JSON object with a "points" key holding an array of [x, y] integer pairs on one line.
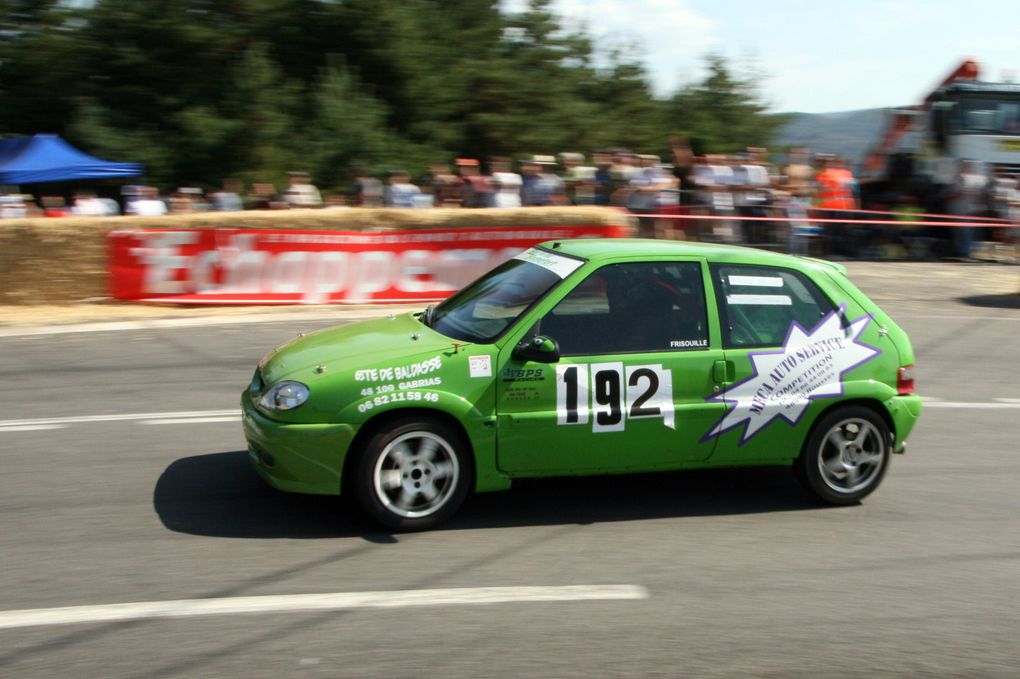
{"points": [[603, 178], [300, 192], [476, 186], [723, 180], [578, 179], [835, 193], [798, 185], [400, 192], [148, 203], [87, 205], [506, 184], [12, 206], [646, 183], [683, 168], [754, 195], [262, 197], [623, 168], [228, 198], [447, 188], [967, 199], [539, 186], [368, 191]]}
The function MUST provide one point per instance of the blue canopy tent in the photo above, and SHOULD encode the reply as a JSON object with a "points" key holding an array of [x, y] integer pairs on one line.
{"points": [[48, 158]]}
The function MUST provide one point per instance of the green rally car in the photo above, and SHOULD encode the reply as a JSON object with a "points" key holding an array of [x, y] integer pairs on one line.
{"points": [[591, 357]]}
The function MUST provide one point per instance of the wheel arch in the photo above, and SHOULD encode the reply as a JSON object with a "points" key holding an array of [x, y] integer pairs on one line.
{"points": [[377, 422], [872, 404]]}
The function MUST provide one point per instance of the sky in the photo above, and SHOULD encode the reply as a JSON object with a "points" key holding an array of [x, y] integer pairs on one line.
{"points": [[818, 57]]}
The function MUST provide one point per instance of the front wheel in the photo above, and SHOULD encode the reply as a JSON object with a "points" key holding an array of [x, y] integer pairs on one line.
{"points": [[413, 474], [845, 456]]}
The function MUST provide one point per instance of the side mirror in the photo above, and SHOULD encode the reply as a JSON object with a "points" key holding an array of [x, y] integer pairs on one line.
{"points": [[539, 349]]}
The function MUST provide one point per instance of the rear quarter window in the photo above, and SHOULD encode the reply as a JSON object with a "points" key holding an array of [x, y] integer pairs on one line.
{"points": [[757, 304]]}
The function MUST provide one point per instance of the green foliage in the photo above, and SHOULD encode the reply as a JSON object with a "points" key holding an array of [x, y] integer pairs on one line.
{"points": [[724, 112], [200, 90]]}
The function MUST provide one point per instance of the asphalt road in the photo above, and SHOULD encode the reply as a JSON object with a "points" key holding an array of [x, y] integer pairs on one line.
{"points": [[741, 572]]}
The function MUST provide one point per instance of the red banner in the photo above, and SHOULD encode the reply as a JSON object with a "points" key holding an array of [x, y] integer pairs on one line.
{"points": [[256, 266]]}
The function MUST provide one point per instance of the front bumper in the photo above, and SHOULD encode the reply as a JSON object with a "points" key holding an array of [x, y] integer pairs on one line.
{"points": [[298, 458], [905, 411]]}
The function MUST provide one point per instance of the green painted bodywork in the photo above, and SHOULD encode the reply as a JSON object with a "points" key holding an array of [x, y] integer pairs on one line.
{"points": [[360, 374]]}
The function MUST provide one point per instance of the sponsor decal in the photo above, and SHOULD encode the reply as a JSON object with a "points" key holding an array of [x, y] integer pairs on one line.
{"points": [[688, 344], [558, 264], [480, 366], [400, 372], [385, 391], [811, 364], [523, 375]]}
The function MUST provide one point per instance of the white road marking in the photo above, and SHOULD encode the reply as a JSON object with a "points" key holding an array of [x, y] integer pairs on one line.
{"points": [[121, 417], [33, 427], [212, 416], [337, 313], [971, 405], [194, 420], [329, 601]]}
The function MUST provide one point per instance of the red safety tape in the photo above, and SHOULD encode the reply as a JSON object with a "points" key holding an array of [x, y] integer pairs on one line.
{"points": [[813, 220], [813, 208]]}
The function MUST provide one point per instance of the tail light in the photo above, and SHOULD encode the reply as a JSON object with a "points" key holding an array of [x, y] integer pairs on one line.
{"points": [[905, 380]]}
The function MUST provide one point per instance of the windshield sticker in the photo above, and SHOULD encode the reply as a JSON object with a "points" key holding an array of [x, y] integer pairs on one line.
{"points": [[608, 394], [558, 264], [760, 300], [480, 366], [757, 281], [810, 365]]}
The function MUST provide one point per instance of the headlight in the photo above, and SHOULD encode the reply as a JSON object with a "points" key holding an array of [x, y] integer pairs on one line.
{"points": [[284, 395]]}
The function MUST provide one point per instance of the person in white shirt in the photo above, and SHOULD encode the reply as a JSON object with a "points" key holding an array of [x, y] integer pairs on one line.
{"points": [[506, 184], [148, 203]]}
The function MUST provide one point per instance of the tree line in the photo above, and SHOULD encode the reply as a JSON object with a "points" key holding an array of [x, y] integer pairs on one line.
{"points": [[200, 90]]}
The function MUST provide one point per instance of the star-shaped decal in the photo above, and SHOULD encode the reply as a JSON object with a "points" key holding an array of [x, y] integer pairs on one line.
{"points": [[810, 365]]}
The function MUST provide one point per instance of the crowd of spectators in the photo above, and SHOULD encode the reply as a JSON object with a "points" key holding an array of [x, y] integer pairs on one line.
{"points": [[751, 199]]}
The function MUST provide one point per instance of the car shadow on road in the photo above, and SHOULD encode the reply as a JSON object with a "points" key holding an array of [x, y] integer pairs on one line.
{"points": [[220, 495], [1008, 300]]}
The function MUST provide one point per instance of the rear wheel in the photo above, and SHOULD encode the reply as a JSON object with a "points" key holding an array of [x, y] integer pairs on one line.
{"points": [[413, 474], [846, 455]]}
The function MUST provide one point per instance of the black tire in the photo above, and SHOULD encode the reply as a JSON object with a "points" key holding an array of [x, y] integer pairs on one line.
{"points": [[846, 455], [413, 474]]}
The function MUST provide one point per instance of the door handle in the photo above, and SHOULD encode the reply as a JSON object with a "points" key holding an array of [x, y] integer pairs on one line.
{"points": [[723, 372]]}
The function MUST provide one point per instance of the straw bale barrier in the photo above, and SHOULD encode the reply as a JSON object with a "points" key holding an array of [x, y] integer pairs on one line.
{"points": [[60, 261]]}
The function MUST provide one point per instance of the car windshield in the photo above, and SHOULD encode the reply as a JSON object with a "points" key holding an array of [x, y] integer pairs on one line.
{"points": [[483, 310]]}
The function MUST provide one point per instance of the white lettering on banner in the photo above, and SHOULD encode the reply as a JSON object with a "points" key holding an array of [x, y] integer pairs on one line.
{"points": [[243, 265], [162, 258], [328, 276], [312, 276]]}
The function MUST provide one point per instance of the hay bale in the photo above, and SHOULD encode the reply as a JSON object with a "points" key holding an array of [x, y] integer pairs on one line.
{"points": [[59, 261]]}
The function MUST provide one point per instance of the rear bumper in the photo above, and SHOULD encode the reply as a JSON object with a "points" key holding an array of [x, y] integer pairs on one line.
{"points": [[298, 458], [905, 411]]}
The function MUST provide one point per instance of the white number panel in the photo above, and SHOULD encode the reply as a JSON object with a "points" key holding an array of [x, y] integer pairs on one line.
{"points": [[609, 394]]}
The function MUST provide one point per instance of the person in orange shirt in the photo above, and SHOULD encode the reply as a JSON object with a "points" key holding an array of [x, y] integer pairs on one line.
{"points": [[836, 191]]}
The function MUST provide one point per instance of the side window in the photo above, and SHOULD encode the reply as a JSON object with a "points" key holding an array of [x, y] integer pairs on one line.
{"points": [[626, 308], [757, 304]]}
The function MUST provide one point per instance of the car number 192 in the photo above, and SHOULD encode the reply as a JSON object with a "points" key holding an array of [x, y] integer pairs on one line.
{"points": [[608, 394]]}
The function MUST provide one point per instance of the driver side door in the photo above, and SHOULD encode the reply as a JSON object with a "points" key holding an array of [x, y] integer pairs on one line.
{"points": [[637, 359]]}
